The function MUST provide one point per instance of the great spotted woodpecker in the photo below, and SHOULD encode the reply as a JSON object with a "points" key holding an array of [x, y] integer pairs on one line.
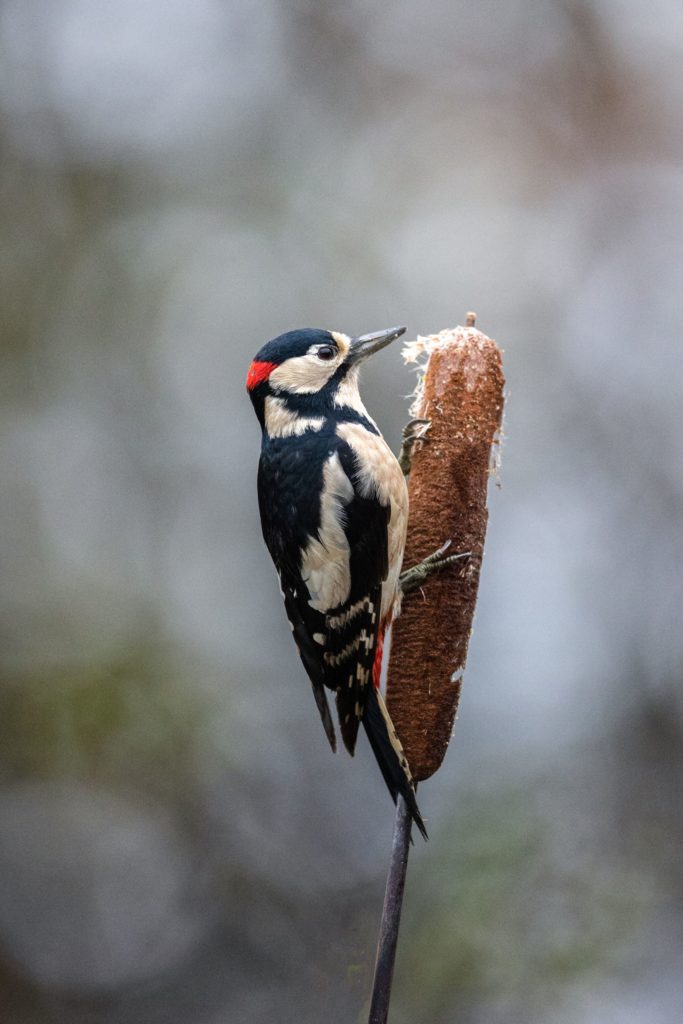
{"points": [[334, 511]]}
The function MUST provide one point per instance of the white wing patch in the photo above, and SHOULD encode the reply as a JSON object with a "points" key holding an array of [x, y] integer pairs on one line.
{"points": [[325, 565], [351, 648], [341, 620], [381, 477]]}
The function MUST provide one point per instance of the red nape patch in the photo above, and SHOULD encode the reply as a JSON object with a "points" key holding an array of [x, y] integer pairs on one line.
{"points": [[377, 663], [258, 372]]}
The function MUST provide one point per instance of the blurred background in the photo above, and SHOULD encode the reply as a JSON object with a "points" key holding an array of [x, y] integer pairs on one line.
{"points": [[179, 182]]}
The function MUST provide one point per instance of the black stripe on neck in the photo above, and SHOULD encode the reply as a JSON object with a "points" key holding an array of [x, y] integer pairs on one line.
{"points": [[322, 404]]}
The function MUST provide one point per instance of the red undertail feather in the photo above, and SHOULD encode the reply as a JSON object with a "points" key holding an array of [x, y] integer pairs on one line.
{"points": [[377, 663]]}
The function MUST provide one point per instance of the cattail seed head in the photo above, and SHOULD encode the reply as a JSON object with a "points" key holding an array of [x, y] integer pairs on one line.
{"points": [[461, 393]]}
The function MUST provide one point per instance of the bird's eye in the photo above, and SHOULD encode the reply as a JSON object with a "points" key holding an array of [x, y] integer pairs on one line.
{"points": [[326, 352]]}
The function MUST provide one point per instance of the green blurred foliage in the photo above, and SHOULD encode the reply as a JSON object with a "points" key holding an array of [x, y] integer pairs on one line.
{"points": [[494, 911], [131, 720]]}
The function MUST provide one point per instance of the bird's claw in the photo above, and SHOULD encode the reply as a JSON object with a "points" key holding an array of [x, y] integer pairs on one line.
{"points": [[438, 560], [415, 430]]}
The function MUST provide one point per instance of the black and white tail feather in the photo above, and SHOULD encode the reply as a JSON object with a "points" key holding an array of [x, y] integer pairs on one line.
{"points": [[388, 751], [347, 670]]}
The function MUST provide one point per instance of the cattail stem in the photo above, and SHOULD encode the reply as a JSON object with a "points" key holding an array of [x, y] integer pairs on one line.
{"points": [[391, 916]]}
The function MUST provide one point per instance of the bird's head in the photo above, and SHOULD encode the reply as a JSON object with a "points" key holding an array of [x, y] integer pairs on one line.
{"points": [[312, 369]]}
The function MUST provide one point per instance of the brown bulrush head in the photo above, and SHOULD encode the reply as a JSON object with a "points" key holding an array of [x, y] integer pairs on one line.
{"points": [[461, 394]]}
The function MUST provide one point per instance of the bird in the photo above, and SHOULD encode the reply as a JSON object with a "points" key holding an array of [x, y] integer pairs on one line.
{"points": [[333, 503]]}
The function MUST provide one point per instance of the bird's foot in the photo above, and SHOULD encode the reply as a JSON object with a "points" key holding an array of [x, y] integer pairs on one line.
{"points": [[414, 431], [415, 577]]}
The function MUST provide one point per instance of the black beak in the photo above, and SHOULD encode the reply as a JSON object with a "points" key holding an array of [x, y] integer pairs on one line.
{"points": [[367, 344]]}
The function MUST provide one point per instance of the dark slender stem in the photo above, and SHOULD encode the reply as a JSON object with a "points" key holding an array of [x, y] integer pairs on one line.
{"points": [[391, 916]]}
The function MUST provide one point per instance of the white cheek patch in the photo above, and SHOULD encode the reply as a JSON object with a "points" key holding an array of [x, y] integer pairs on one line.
{"points": [[302, 375], [282, 422], [325, 562]]}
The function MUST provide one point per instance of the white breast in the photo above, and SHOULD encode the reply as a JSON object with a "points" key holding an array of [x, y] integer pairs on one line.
{"points": [[325, 561]]}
